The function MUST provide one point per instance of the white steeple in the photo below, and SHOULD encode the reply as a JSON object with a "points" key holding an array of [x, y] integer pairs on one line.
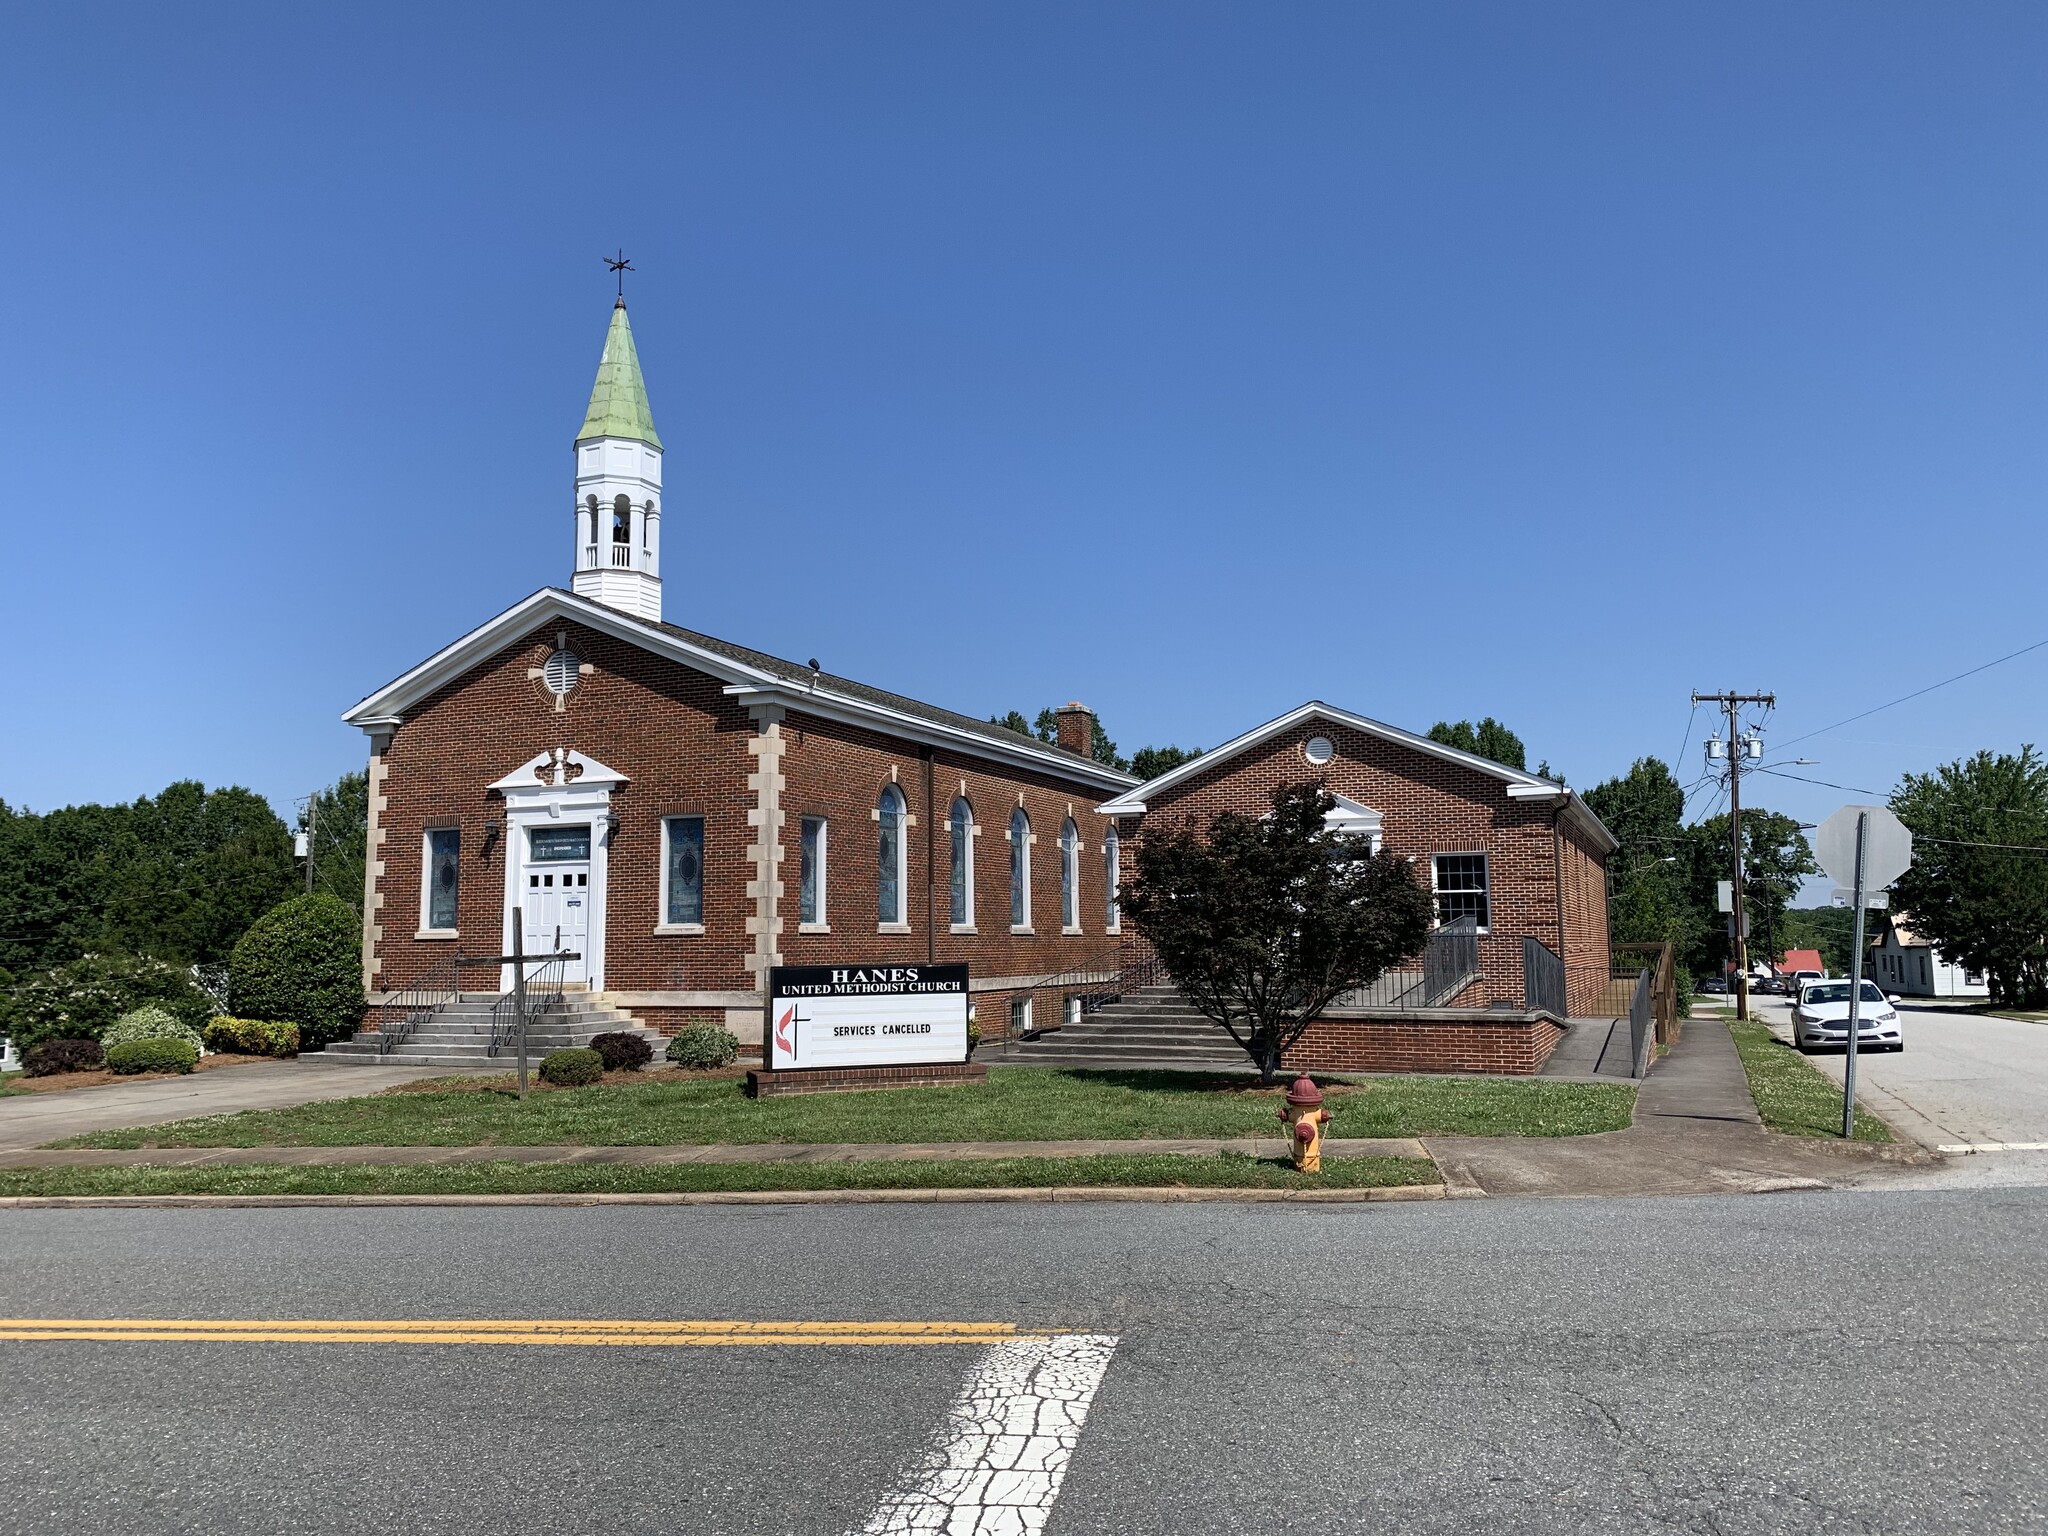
{"points": [[618, 485]]}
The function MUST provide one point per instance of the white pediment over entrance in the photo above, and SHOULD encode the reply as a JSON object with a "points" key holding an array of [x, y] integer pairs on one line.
{"points": [[1352, 819], [560, 769]]}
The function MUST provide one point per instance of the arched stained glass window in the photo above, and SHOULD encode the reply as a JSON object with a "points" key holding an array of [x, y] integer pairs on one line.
{"points": [[889, 856], [1020, 869], [1112, 879], [1070, 874], [961, 826]]}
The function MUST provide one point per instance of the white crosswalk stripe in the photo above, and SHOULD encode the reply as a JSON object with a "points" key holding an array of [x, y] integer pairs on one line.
{"points": [[996, 1464]]}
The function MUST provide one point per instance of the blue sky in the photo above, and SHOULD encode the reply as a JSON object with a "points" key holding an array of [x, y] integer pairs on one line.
{"points": [[1188, 359]]}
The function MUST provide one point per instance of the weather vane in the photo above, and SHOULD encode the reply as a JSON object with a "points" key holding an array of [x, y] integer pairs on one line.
{"points": [[621, 266]]}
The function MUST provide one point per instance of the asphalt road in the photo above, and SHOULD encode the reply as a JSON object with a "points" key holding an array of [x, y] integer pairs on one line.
{"points": [[1963, 1080], [1815, 1362]]}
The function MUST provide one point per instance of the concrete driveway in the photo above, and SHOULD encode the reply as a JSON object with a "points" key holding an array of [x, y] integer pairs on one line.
{"points": [[1964, 1084], [34, 1119]]}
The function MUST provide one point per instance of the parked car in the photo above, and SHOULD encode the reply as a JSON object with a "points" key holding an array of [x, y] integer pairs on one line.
{"points": [[1713, 986], [1822, 1018], [1773, 986]]}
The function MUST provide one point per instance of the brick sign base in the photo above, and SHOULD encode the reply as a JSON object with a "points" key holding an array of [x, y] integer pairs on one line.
{"points": [[948, 1074]]}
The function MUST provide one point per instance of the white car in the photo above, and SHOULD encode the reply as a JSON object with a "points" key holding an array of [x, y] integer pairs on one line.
{"points": [[1821, 1017]]}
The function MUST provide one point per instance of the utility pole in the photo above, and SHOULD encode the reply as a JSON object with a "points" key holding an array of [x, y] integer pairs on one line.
{"points": [[312, 811], [1732, 703]]}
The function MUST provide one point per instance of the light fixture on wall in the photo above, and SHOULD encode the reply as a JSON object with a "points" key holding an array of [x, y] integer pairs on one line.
{"points": [[491, 833]]}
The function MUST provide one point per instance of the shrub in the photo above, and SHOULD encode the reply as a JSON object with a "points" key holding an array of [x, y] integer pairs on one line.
{"points": [[302, 960], [622, 1050], [703, 1045], [79, 1000], [62, 1055], [251, 1037], [152, 1021], [571, 1069], [158, 1055]]}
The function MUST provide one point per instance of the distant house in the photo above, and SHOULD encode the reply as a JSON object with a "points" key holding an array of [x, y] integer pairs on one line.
{"points": [[1903, 962], [1802, 960]]}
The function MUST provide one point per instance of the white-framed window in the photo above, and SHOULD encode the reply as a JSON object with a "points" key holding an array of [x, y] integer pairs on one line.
{"points": [[1112, 880], [440, 878], [682, 872], [1020, 1017], [890, 867], [1461, 888], [1070, 876], [811, 864], [960, 827], [1073, 1010], [1020, 869]]}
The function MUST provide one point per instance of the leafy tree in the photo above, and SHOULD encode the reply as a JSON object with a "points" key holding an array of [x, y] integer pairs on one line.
{"points": [[1831, 930], [1265, 920], [1150, 762], [1983, 907], [1775, 863], [1488, 739], [179, 876], [301, 962], [1651, 898], [1045, 727], [341, 833], [80, 999], [1012, 722]]}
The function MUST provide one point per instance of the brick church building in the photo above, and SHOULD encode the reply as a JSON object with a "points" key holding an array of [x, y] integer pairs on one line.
{"points": [[682, 812]]}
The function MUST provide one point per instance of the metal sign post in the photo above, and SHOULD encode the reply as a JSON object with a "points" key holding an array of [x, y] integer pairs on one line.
{"points": [[1869, 846], [1855, 983], [519, 990]]}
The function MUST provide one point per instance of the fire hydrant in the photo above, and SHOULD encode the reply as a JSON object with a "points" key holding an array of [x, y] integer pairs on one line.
{"points": [[1304, 1109]]}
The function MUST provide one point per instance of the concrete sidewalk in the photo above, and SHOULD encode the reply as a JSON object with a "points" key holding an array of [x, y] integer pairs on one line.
{"points": [[741, 1152], [30, 1120], [1696, 1132]]}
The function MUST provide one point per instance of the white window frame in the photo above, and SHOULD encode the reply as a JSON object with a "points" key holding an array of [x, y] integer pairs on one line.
{"points": [[426, 928], [1020, 870], [1435, 889], [1113, 880], [662, 924], [961, 840], [822, 923], [900, 923], [1070, 877], [1020, 1009]]}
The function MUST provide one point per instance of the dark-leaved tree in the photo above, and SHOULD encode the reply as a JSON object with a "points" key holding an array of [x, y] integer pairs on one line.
{"points": [[1150, 762], [1488, 739], [1263, 921]]}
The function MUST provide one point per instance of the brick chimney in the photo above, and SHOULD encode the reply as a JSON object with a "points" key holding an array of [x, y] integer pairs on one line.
{"points": [[1076, 728]]}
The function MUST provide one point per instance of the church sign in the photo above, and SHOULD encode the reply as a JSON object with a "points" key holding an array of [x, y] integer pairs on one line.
{"points": [[865, 1016]]}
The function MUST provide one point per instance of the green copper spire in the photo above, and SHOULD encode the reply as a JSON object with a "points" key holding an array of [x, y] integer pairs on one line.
{"points": [[618, 400]]}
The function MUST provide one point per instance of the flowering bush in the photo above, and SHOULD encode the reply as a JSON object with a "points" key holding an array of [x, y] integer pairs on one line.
{"points": [[81, 999], [151, 1021]]}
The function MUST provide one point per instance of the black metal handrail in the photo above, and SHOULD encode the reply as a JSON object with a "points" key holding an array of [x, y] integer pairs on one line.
{"points": [[413, 1005], [1543, 979], [1448, 964], [543, 996]]}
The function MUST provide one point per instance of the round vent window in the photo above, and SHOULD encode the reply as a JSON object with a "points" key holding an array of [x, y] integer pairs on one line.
{"points": [[560, 673], [1318, 750]]}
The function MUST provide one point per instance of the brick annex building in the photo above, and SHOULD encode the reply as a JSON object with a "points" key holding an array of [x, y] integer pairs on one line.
{"points": [[683, 812]]}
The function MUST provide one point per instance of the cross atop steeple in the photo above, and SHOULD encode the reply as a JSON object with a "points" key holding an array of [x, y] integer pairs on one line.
{"points": [[620, 265]]}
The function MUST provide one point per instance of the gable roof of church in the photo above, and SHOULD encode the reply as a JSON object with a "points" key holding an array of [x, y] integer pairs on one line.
{"points": [[750, 676], [618, 400], [1520, 785]]}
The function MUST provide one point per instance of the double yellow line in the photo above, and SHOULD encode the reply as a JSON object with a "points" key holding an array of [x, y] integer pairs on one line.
{"points": [[614, 1331]]}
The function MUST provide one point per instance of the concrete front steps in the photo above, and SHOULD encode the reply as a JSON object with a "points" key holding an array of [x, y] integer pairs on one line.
{"points": [[458, 1035], [1148, 1029]]}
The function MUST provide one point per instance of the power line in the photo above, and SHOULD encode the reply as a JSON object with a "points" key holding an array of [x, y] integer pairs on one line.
{"points": [[1847, 789], [1957, 842], [1907, 698]]}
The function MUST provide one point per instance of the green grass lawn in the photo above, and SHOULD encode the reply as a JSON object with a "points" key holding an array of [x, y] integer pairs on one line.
{"points": [[1792, 1094], [1207, 1172], [1016, 1104]]}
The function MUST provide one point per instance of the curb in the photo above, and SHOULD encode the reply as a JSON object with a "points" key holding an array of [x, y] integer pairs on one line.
{"points": [[1058, 1195]]}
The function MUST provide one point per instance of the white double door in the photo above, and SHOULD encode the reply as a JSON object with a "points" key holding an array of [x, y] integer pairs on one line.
{"points": [[556, 901]]}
